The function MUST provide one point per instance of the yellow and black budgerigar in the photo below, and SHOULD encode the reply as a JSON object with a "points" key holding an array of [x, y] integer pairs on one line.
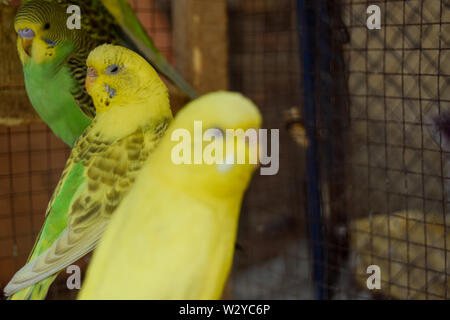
{"points": [[54, 56]]}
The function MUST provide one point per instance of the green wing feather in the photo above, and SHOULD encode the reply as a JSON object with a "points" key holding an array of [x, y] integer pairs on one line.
{"points": [[97, 176], [55, 223], [37, 291]]}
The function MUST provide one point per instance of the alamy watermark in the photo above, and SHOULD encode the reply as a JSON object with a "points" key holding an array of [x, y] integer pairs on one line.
{"points": [[74, 280], [374, 19], [227, 149], [74, 20], [374, 280]]}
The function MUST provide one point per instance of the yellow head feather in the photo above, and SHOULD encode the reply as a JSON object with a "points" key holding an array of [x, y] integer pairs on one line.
{"points": [[222, 111], [121, 77], [126, 90]]}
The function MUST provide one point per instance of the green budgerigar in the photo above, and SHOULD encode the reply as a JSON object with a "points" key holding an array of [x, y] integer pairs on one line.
{"points": [[133, 113], [54, 56]]}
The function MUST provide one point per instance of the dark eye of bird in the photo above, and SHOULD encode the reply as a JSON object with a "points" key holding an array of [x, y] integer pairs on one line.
{"points": [[47, 26], [112, 69]]}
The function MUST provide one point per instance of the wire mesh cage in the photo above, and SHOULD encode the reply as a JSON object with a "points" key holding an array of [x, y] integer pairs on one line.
{"points": [[265, 65], [397, 79], [362, 180], [392, 212]]}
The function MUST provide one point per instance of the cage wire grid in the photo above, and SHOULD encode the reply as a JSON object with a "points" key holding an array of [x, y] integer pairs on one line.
{"points": [[265, 66], [382, 178], [397, 77]]}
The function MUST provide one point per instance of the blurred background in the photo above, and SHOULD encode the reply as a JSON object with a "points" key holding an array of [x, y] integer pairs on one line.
{"points": [[364, 184]]}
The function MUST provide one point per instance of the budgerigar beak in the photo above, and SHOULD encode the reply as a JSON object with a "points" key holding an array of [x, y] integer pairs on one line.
{"points": [[27, 44], [91, 76], [26, 36]]}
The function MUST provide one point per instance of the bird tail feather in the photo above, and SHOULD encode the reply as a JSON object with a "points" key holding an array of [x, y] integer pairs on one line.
{"points": [[37, 291]]}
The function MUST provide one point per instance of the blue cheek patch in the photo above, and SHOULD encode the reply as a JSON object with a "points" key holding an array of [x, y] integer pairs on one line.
{"points": [[50, 42], [112, 93]]}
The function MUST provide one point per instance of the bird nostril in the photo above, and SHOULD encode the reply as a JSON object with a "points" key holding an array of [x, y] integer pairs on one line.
{"points": [[92, 73]]}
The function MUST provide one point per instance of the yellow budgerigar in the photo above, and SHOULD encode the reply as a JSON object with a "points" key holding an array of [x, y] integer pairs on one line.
{"points": [[133, 113], [173, 236]]}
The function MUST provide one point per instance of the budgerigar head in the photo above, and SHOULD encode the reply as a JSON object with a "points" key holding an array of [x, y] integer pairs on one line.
{"points": [[117, 76], [42, 31], [217, 113]]}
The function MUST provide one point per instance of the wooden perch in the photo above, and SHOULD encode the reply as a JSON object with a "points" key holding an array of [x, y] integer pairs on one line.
{"points": [[200, 39]]}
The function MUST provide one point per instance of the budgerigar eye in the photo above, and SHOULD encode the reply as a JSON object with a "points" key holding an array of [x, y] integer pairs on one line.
{"points": [[50, 42], [47, 26], [112, 69]]}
